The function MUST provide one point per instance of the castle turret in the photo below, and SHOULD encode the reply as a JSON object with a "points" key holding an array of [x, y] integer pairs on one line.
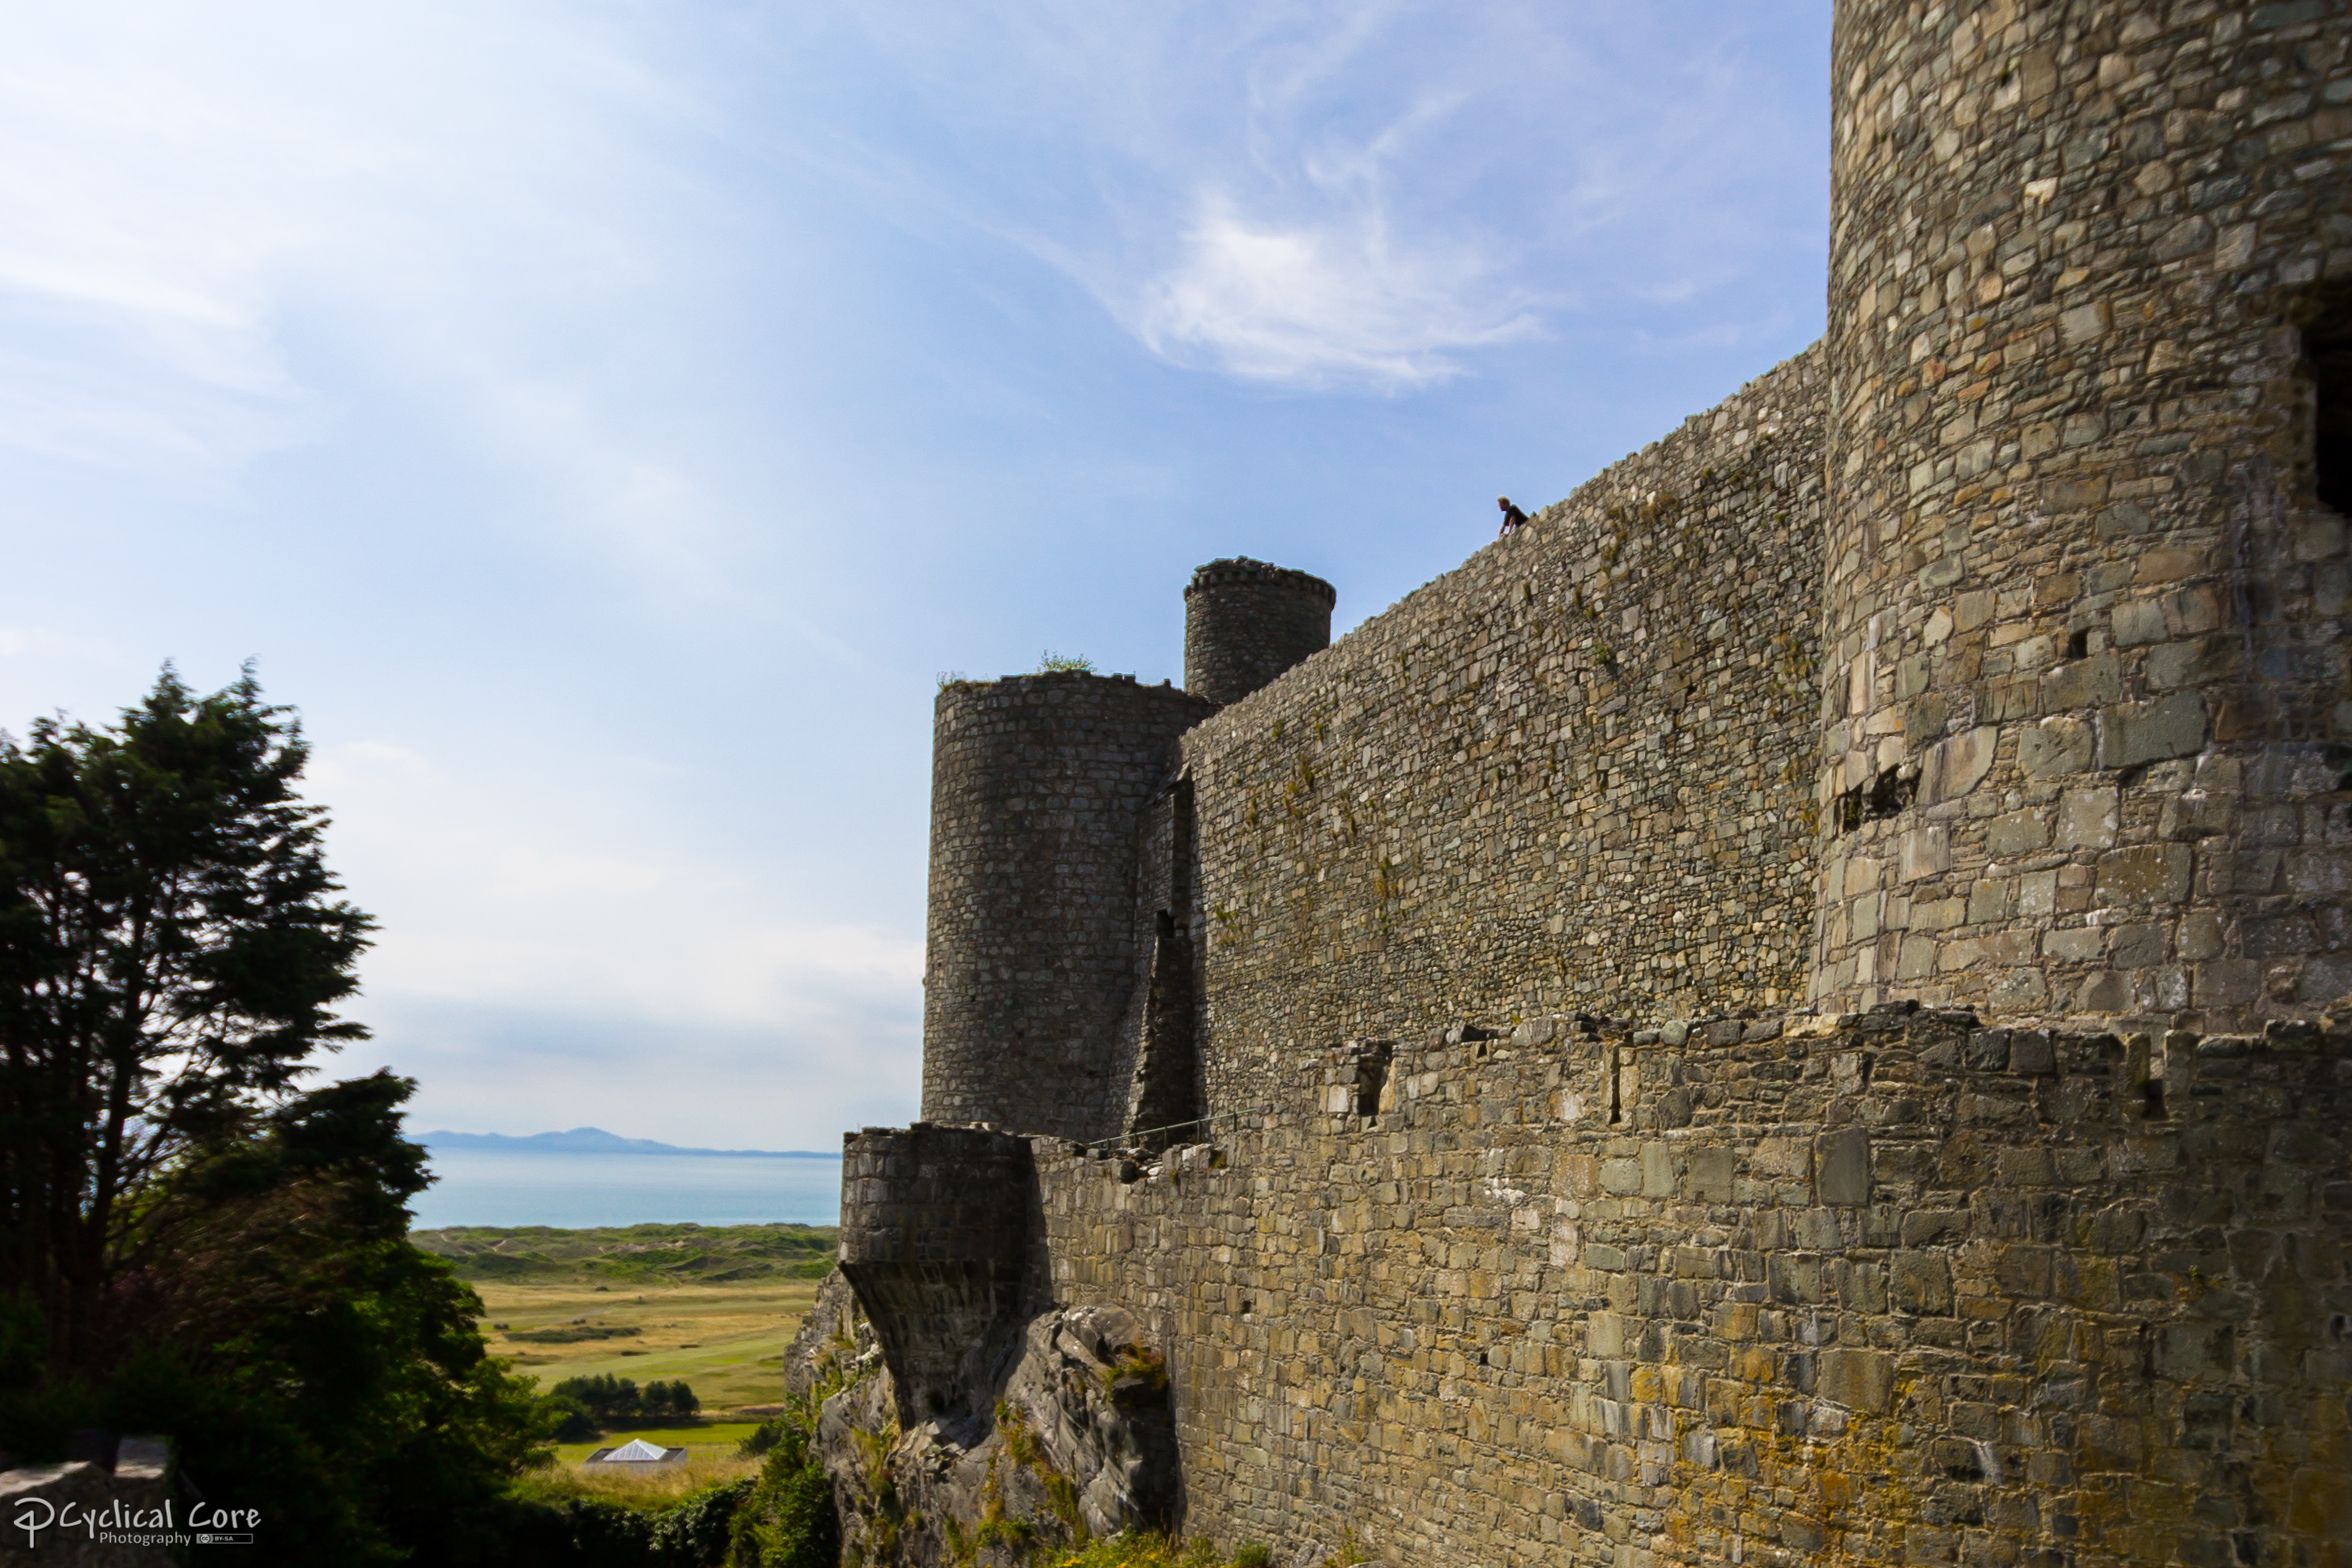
{"points": [[1039, 785], [934, 1239], [1246, 622], [2084, 717]]}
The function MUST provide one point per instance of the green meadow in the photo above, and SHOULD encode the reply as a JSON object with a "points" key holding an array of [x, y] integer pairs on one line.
{"points": [[714, 1305]]}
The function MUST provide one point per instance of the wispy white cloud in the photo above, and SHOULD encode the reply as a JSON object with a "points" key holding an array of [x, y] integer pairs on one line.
{"points": [[1356, 194], [1317, 305]]}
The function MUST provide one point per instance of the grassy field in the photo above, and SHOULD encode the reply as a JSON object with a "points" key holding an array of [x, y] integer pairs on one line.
{"points": [[714, 1305], [653, 1489]]}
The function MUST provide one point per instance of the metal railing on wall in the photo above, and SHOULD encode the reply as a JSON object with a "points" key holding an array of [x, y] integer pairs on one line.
{"points": [[1142, 1137]]}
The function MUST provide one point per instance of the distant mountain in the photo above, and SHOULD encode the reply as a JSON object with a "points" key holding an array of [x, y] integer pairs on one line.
{"points": [[596, 1141]]}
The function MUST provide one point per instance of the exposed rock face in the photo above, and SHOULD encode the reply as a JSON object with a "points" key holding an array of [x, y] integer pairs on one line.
{"points": [[835, 1336], [1080, 1443]]}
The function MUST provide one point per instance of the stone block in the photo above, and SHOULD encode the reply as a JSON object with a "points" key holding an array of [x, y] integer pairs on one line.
{"points": [[2150, 874], [2139, 946], [2088, 818], [2195, 1352], [2037, 893], [1861, 1380], [1708, 1172], [1986, 1050], [1926, 849], [2032, 1053], [1841, 1168], [1917, 959], [2076, 945], [2054, 747], [2134, 733], [1657, 1171], [1956, 764], [2020, 991], [2140, 621], [2017, 832], [2088, 682], [1921, 1283]]}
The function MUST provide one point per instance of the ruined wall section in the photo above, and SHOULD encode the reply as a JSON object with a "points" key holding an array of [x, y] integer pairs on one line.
{"points": [[1904, 1290], [2084, 708], [1573, 771], [1157, 1035], [1040, 786]]}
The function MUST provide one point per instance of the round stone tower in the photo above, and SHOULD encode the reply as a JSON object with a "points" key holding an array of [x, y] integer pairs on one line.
{"points": [[1247, 622], [2090, 343], [1038, 788]]}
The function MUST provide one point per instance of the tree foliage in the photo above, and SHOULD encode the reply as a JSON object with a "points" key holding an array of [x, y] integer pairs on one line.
{"points": [[611, 1399], [171, 949], [190, 1243]]}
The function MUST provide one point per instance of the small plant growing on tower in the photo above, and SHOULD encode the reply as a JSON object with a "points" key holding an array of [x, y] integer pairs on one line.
{"points": [[1051, 663]]}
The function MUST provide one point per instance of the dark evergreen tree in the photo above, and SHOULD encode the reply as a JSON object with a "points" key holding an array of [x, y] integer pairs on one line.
{"points": [[190, 1244], [171, 949]]}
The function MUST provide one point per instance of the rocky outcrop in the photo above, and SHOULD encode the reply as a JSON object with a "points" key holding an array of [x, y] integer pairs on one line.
{"points": [[1079, 1442], [834, 1340]]}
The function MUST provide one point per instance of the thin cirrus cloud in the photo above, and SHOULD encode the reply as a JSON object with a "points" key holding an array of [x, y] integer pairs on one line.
{"points": [[1332, 194], [1315, 306]]}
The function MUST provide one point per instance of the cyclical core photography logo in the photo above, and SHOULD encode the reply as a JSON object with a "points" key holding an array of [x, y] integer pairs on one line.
{"points": [[118, 1524]]}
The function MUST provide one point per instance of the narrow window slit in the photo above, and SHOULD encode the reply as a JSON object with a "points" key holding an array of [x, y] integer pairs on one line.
{"points": [[2328, 352]]}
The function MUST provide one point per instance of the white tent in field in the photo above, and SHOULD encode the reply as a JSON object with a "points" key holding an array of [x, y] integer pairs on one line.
{"points": [[636, 1452]]}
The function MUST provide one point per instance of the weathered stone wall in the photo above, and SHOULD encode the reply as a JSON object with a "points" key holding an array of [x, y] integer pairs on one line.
{"points": [[1038, 789], [1571, 772], [2084, 697], [1898, 1290], [1987, 655], [1246, 621]]}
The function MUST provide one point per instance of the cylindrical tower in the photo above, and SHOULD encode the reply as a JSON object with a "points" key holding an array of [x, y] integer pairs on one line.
{"points": [[1247, 622], [1038, 785], [2084, 710]]}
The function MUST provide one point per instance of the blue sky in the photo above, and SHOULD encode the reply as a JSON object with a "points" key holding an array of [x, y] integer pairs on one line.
{"points": [[606, 421]]}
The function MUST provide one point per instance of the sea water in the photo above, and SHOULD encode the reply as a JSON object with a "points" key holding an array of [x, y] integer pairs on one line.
{"points": [[506, 1187]]}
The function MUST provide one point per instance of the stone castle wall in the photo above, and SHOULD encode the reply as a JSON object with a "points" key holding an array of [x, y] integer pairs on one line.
{"points": [[2085, 722], [1572, 772], [1039, 790], [1987, 655], [1901, 1291]]}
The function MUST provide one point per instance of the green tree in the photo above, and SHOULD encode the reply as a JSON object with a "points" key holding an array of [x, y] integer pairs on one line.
{"points": [[604, 1397], [190, 1242], [171, 949]]}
